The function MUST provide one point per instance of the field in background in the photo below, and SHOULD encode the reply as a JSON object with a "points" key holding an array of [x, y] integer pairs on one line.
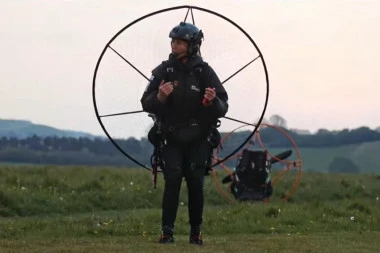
{"points": [[364, 155], [83, 209], [359, 158]]}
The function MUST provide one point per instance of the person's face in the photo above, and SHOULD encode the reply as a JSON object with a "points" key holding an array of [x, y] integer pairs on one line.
{"points": [[179, 47]]}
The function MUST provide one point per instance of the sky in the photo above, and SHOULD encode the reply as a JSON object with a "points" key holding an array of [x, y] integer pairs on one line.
{"points": [[321, 59]]}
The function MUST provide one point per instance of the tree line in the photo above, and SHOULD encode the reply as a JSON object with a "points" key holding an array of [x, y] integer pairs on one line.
{"points": [[100, 151]]}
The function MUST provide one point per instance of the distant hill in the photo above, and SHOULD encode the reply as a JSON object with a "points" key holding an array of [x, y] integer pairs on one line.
{"points": [[22, 129], [364, 155]]}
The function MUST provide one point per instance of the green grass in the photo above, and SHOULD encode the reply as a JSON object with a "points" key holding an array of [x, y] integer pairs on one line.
{"points": [[79, 209], [314, 243]]}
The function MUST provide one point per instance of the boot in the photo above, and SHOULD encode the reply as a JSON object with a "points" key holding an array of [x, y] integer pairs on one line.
{"points": [[196, 239], [167, 234], [195, 235], [166, 238]]}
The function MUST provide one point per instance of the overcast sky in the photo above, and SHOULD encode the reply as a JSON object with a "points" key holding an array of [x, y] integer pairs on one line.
{"points": [[321, 56]]}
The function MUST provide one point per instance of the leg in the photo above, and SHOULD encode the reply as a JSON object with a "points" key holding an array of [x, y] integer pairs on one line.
{"points": [[196, 202], [197, 158], [172, 171]]}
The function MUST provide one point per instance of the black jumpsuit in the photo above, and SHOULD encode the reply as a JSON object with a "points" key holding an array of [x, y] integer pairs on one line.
{"points": [[186, 124]]}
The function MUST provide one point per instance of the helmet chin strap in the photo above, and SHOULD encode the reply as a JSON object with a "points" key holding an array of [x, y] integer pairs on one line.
{"points": [[173, 56], [176, 56]]}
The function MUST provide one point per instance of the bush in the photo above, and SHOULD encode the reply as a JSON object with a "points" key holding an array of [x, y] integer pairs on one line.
{"points": [[343, 165]]}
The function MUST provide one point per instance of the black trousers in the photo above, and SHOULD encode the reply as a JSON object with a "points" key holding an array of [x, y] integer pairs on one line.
{"points": [[188, 161]]}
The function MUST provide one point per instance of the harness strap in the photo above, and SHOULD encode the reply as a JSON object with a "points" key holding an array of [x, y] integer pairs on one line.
{"points": [[191, 123]]}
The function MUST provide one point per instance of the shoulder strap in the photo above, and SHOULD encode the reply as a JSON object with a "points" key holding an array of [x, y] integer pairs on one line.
{"points": [[167, 71], [164, 71], [201, 71]]}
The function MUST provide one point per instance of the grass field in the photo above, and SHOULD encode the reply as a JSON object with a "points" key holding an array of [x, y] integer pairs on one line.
{"points": [[323, 242], [79, 209]]}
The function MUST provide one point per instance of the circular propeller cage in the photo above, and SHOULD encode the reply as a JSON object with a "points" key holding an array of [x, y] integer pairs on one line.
{"points": [[254, 134]]}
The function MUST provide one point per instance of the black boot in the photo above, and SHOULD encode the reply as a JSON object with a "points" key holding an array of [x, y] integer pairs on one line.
{"points": [[195, 235], [167, 234], [166, 238]]}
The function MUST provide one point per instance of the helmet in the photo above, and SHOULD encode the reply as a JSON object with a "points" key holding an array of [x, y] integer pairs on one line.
{"points": [[190, 33]]}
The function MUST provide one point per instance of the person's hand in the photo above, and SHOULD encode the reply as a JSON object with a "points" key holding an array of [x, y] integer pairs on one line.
{"points": [[164, 91], [209, 96]]}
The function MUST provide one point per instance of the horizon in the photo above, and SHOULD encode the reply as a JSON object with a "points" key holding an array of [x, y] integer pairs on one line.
{"points": [[321, 59], [139, 137]]}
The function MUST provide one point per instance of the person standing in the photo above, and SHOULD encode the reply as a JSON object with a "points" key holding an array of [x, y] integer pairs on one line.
{"points": [[187, 97]]}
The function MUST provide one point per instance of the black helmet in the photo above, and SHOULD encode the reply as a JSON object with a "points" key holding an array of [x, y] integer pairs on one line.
{"points": [[190, 33]]}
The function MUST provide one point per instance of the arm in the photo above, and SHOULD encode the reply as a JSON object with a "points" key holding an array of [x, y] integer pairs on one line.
{"points": [[152, 100], [216, 96]]}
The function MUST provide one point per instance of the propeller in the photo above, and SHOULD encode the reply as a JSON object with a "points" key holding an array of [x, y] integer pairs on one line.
{"points": [[281, 156], [228, 178]]}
